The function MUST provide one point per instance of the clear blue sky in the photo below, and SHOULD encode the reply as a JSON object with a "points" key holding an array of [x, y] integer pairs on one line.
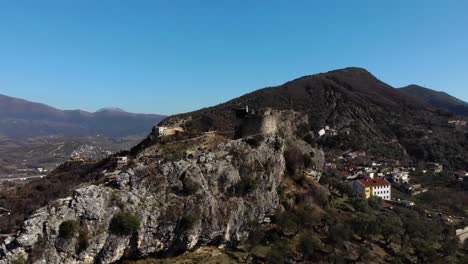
{"points": [[176, 56]]}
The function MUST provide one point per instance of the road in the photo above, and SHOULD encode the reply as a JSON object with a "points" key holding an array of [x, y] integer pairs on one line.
{"points": [[24, 178]]}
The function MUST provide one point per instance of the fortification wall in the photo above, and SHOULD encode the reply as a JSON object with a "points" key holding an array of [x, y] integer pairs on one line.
{"points": [[273, 122]]}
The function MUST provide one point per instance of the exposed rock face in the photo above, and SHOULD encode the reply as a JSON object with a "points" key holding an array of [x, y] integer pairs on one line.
{"points": [[270, 121], [181, 205]]}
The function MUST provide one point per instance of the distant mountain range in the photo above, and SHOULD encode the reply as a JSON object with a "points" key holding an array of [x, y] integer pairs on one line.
{"points": [[21, 118], [437, 99]]}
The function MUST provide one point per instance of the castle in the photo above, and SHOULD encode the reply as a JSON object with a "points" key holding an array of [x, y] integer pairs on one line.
{"points": [[269, 121]]}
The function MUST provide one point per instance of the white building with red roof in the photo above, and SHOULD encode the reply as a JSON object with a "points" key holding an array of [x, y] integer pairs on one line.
{"points": [[373, 187]]}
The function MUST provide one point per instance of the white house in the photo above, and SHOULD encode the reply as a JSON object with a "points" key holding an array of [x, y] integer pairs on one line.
{"points": [[322, 132], [327, 130], [400, 177], [373, 187], [161, 130], [168, 131], [122, 161]]}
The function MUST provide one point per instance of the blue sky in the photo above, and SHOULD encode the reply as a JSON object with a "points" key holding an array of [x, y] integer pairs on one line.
{"points": [[177, 56]]}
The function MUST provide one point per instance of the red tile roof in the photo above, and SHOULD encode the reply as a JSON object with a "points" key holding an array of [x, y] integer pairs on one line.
{"points": [[374, 182]]}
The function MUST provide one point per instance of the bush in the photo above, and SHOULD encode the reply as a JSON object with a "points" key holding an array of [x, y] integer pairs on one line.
{"points": [[124, 224], [69, 228], [187, 222], [19, 260], [308, 245], [287, 221], [255, 141], [83, 240], [278, 254], [375, 202], [360, 204], [279, 145], [320, 194], [132, 164], [245, 186], [294, 160], [338, 233], [256, 235]]}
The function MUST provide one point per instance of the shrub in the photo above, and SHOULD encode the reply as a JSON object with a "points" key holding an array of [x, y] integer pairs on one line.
{"points": [[124, 224], [320, 194], [360, 204], [375, 202], [287, 222], [279, 145], [294, 160], [19, 260], [187, 222], [309, 138], [69, 228], [338, 233], [245, 186], [257, 234], [255, 141], [83, 240], [279, 253], [132, 164], [308, 245]]}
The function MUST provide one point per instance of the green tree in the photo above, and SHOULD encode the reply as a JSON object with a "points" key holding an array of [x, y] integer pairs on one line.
{"points": [[391, 227], [124, 224], [308, 245], [69, 228]]}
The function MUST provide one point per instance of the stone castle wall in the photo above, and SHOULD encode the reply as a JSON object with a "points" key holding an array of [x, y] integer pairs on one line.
{"points": [[272, 122]]}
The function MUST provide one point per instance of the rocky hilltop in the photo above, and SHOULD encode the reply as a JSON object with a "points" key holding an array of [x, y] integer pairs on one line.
{"points": [[212, 196]]}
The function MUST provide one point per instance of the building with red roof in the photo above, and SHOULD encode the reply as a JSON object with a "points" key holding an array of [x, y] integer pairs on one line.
{"points": [[379, 187]]}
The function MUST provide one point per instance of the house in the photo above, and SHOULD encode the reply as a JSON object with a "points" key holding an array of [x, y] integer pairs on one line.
{"points": [[407, 203], [356, 154], [344, 175], [313, 175], [4, 211], [373, 187], [322, 132], [330, 166], [327, 130], [122, 161], [169, 131], [242, 112], [435, 167], [400, 177], [161, 130], [460, 175]]}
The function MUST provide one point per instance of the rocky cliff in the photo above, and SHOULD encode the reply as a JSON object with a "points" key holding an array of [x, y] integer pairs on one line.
{"points": [[211, 196]]}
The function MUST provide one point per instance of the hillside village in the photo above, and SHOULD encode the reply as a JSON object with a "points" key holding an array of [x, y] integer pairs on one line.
{"points": [[368, 176]]}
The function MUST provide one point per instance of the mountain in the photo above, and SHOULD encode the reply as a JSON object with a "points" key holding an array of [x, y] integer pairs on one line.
{"points": [[253, 187], [365, 112], [437, 99], [21, 118], [111, 109]]}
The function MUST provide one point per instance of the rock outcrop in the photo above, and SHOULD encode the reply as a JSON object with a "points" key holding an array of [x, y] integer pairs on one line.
{"points": [[181, 205]]}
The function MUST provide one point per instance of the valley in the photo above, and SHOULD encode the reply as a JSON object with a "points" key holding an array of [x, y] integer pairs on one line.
{"points": [[23, 159]]}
